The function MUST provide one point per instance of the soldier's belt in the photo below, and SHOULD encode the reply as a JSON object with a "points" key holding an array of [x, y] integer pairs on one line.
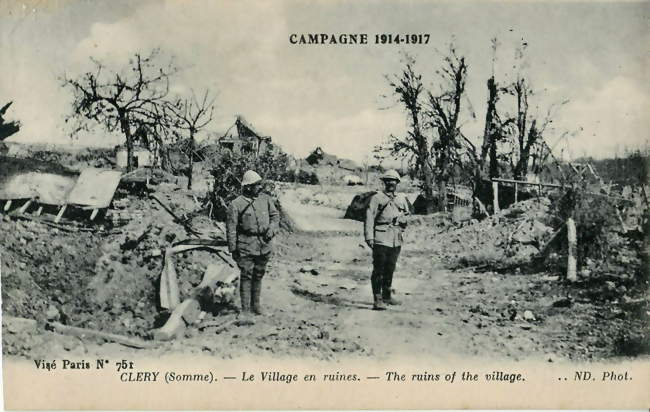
{"points": [[251, 233]]}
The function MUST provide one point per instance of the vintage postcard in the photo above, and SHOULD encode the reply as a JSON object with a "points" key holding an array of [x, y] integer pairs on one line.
{"points": [[299, 204]]}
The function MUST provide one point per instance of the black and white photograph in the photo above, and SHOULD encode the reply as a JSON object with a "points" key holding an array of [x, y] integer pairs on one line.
{"points": [[324, 204]]}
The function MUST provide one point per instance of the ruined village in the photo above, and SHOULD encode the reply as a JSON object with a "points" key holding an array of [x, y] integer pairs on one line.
{"points": [[510, 252]]}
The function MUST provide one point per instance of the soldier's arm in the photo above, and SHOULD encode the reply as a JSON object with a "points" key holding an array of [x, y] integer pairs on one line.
{"points": [[369, 223], [274, 217], [405, 206], [232, 221]]}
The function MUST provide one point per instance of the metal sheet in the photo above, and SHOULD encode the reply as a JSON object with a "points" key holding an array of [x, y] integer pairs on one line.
{"points": [[95, 188]]}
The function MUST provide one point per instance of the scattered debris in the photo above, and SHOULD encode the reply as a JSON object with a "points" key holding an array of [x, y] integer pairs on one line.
{"points": [[528, 316], [309, 269], [111, 337]]}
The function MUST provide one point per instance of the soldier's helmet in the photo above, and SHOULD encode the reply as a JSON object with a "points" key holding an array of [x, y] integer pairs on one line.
{"points": [[391, 175], [250, 177]]}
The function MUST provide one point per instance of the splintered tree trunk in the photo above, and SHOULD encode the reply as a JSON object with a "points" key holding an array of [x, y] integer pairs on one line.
{"points": [[489, 147], [442, 195], [494, 162], [124, 124], [424, 158], [428, 190], [521, 170], [443, 178], [190, 172]]}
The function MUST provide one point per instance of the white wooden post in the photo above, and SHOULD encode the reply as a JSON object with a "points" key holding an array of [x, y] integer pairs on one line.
{"points": [[495, 197], [571, 270], [58, 217], [516, 192]]}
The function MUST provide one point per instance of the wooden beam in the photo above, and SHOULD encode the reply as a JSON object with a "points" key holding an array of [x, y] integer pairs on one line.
{"points": [[39, 210], [24, 207], [523, 182], [7, 205], [571, 270], [540, 185], [60, 214], [83, 332], [93, 215]]}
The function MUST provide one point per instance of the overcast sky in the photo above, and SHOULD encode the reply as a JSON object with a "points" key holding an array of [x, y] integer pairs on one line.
{"points": [[593, 54]]}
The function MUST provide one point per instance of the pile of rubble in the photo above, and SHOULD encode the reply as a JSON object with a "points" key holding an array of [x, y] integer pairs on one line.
{"points": [[503, 240], [103, 276]]}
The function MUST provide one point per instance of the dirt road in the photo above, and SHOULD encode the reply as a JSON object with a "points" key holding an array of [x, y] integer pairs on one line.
{"points": [[318, 303]]}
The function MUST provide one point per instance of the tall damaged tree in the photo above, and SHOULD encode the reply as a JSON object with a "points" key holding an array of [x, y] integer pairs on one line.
{"points": [[526, 131], [526, 127], [125, 100], [409, 89], [443, 116], [485, 160], [190, 116]]}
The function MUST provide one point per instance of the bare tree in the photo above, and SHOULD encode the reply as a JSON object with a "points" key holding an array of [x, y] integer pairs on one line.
{"points": [[409, 89], [126, 99], [7, 128], [190, 116], [433, 141], [443, 116]]}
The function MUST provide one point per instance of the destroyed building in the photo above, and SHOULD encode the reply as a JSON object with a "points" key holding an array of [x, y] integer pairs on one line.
{"points": [[141, 157], [242, 138]]}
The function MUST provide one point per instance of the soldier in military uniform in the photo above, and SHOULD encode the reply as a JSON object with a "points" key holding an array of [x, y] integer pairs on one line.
{"points": [[252, 222], [384, 226]]}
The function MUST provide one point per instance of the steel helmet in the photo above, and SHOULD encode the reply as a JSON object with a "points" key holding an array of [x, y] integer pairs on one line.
{"points": [[391, 175], [250, 177]]}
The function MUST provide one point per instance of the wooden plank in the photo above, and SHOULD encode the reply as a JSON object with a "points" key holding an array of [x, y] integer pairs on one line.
{"points": [[83, 332], [7, 205], [93, 215], [24, 207], [39, 210], [523, 182], [60, 214], [169, 295], [95, 188]]}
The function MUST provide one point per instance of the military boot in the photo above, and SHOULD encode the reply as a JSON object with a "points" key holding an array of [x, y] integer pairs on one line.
{"points": [[388, 298], [245, 296], [379, 303], [255, 297]]}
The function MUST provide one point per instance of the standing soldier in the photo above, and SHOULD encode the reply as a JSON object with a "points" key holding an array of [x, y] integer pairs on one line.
{"points": [[384, 226], [252, 221]]}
